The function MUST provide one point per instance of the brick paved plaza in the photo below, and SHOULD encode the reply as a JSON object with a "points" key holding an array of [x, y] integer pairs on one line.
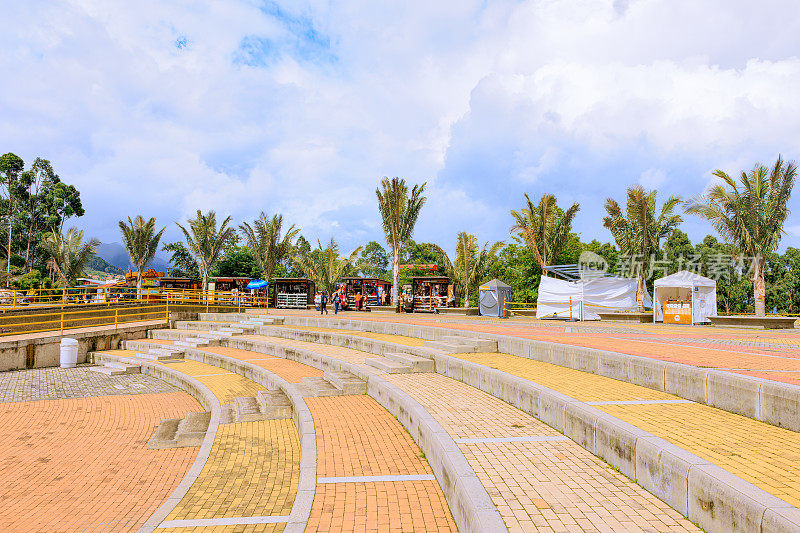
{"points": [[316, 424]]}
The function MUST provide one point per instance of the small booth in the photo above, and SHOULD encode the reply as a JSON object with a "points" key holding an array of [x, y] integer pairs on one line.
{"points": [[179, 283], [684, 298], [258, 293], [150, 284], [492, 298], [292, 293], [227, 284], [375, 290], [431, 292]]}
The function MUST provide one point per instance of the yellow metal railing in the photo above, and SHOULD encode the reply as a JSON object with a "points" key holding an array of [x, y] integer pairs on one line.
{"points": [[150, 305]]}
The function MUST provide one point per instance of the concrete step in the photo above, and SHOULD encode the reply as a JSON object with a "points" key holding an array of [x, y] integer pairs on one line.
{"points": [[192, 429], [180, 432], [318, 387], [160, 354], [217, 336], [247, 409], [450, 347], [417, 363], [274, 405], [480, 345], [346, 382], [389, 366], [115, 368]]}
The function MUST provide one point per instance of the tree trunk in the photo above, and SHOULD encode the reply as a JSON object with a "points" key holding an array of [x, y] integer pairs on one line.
{"points": [[139, 284], [10, 222], [640, 294], [466, 299], [396, 279], [759, 289]]}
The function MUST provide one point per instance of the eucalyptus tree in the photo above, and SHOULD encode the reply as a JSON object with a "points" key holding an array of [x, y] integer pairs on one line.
{"points": [[326, 266], [471, 262], [11, 166], [68, 254], [544, 228], [266, 243], [749, 212], [639, 230], [206, 241], [141, 241], [399, 213]]}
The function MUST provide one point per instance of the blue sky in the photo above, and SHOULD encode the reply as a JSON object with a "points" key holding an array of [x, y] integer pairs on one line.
{"points": [[160, 108]]}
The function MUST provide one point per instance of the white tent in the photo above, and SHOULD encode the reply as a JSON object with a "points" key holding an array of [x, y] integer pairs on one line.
{"points": [[685, 285], [587, 297]]}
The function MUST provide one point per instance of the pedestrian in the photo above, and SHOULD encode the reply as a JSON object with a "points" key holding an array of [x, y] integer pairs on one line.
{"points": [[358, 301], [323, 302], [336, 302], [317, 300]]}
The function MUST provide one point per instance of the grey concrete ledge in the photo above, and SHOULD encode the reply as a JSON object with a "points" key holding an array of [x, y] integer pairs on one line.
{"points": [[209, 402], [470, 504], [712, 497], [769, 401], [303, 421]]}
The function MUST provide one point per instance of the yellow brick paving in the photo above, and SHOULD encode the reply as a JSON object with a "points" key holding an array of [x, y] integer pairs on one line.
{"points": [[253, 470], [400, 339], [225, 386], [537, 486]]}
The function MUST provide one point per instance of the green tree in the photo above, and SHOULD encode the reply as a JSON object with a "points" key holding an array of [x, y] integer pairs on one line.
{"points": [[238, 261], [471, 262], [545, 228], [206, 241], [399, 213], [141, 241], [182, 263], [373, 261], [11, 166], [326, 266], [265, 242], [69, 254], [750, 213], [638, 232]]}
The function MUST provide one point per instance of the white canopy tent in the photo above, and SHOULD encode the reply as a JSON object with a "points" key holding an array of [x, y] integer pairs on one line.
{"points": [[685, 285], [584, 299]]}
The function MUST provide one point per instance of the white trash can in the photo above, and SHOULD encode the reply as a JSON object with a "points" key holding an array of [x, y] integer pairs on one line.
{"points": [[69, 353]]}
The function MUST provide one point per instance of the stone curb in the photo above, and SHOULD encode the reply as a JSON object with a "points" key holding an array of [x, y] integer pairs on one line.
{"points": [[709, 495], [468, 500], [304, 422], [209, 402], [769, 401]]}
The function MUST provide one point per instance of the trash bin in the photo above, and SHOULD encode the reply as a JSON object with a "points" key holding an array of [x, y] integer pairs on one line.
{"points": [[492, 297], [69, 353]]}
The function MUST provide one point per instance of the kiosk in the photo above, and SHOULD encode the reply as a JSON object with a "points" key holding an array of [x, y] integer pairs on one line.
{"points": [[292, 293], [684, 298], [431, 292], [371, 288]]}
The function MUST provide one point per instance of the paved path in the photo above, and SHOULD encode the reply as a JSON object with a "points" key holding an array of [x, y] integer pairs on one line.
{"points": [[764, 353], [539, 484], [81, 463]]}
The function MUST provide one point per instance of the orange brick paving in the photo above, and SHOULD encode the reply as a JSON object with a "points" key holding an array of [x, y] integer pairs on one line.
{"points": [[84, 466], [356, 436], [380, 507], [291, 371]]}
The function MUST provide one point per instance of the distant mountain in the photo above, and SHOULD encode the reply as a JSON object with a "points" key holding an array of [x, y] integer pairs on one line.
{"points": [[116, 254], [101, 265]]}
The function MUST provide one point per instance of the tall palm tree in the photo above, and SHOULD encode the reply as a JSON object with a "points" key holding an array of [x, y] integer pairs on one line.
{"points": [[544, 228], [638, 232], [325, 266], [399, 213], [69, 254], [471, 263], [749, 213], [141, 240], [205, 240], [265, 242]]}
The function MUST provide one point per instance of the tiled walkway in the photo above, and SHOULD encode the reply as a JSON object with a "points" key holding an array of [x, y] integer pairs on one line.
{"points": [[82, 464]]}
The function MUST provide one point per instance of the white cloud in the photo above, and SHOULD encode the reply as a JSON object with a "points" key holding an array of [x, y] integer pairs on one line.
{"points": [[484, 100]]}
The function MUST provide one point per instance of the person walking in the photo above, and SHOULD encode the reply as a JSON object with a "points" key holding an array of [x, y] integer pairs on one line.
{"points": [[323, 302], [336, 302]]}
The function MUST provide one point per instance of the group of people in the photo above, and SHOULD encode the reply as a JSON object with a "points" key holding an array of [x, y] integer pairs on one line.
{"points": [[339, 301]]}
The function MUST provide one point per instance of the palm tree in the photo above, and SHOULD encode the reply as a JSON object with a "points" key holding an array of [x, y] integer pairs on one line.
{"points": [[141, 240], [325, 266], [265, 242], [544, 228], [749, 212], [205, 241], [399, 213], [69, 254], [470, 264], [639, 231]]}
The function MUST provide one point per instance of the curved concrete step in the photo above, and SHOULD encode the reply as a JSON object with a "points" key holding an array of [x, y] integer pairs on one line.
{"points": [[389, 366], [417, 363]]}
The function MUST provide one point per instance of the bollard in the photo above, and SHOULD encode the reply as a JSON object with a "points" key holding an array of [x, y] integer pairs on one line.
{"points": [[69, 353]]}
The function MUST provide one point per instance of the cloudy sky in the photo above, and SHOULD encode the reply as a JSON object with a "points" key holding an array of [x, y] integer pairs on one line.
{"points": [[163, 107]]}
